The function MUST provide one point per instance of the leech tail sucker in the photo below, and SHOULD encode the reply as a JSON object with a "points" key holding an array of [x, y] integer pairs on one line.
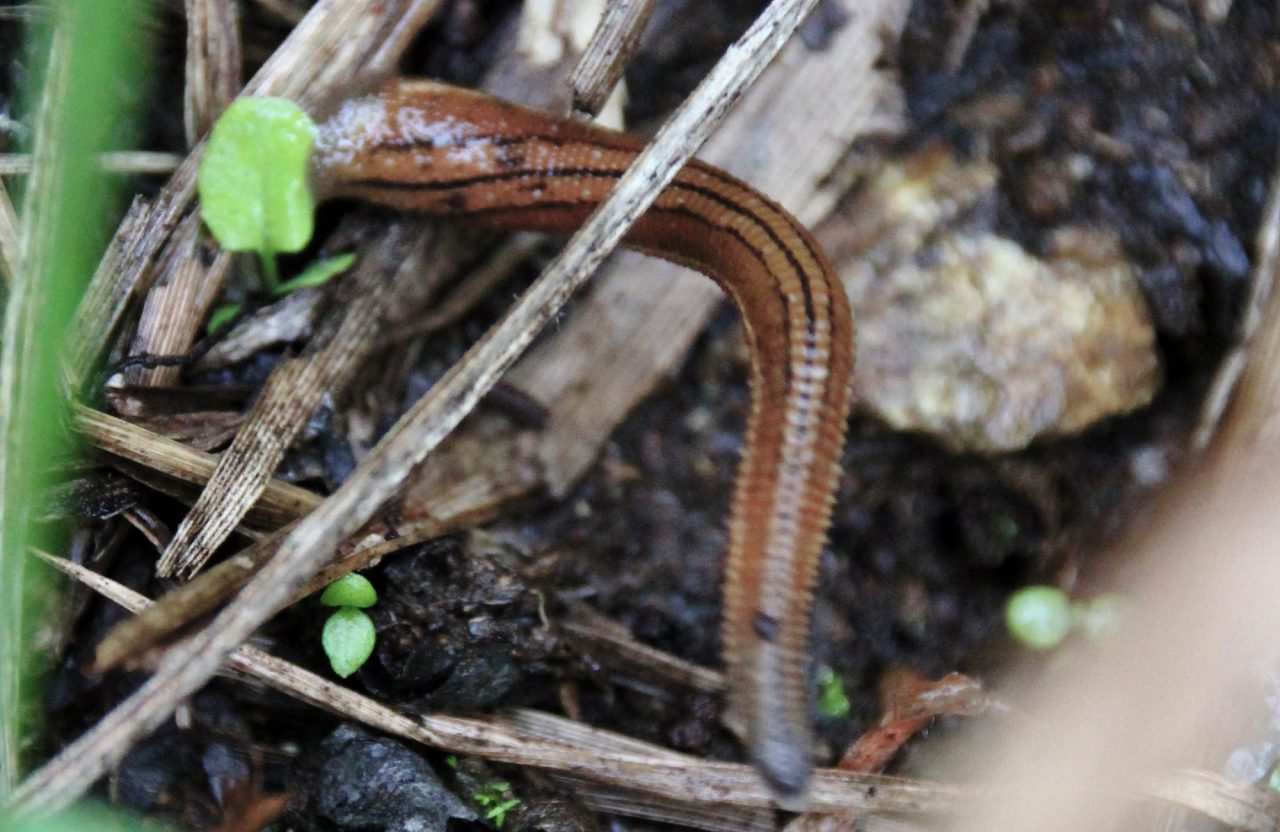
{"points": [[426, 147]]}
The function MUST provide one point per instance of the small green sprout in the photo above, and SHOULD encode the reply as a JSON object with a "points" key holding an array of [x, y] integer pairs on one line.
{"points": [[222, 316], [833, 703], [349, 635], [1039, 616], [1273, 779], [350, 590], [317, 274], [496, 799], [348, 638], [254, 194]]}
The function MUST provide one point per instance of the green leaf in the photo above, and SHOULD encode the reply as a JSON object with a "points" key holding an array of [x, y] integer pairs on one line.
{"points": [[254, 194], [1039, 616], [222, 316], [348, 640], [350, 591], [833, 703], [498, 813], [316, 274]]}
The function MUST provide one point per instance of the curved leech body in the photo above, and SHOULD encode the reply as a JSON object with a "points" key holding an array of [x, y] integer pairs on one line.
{"points": [[427, 147]]}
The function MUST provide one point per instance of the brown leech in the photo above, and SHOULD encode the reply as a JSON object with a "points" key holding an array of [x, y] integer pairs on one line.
{"points": [[427, 147]]}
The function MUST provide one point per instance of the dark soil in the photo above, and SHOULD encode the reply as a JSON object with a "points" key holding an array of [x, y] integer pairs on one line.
{"points": [[1179, 122]]}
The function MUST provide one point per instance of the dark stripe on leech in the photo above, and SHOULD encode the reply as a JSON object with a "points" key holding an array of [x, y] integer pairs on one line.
{"points": [[602, 138], [687, 213], [678, 211], [604, 173], [706, 193]]}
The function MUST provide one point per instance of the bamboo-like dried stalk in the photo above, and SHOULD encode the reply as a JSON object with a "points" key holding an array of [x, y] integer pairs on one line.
{"points": [[213, 64], [398, 271], [282, 501], [10, 247], [606, 57], [121, 161]]}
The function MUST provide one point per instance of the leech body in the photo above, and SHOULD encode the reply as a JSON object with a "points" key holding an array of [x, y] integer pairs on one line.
{"points": [[427, 147]]}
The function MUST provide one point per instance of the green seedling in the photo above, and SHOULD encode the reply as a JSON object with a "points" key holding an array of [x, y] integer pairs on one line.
{"points": [[222, 316], [496, 799], [317, 274], [350, 590], [833, 703], [349, 635], [348, 638], [253, 186], [254, 194], [1039, 616]]}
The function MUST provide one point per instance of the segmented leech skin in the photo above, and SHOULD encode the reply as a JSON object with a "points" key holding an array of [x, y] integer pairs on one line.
{"points": [[426, 147]]}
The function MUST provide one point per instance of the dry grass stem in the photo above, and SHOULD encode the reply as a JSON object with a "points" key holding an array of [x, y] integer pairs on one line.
{"points": [[280, 500], [287, 10], [173, 316], [554, 743], [1247, 381], [213, 64], [123, 161], [614, 645], [478, 285], [10, 245], [475, 476], [1266, 263], [607, 54], [650, 781], [395, 273], [291, 318]]}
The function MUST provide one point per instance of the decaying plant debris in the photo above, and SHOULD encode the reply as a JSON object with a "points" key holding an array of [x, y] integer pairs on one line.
{"points": [[555, 563]]}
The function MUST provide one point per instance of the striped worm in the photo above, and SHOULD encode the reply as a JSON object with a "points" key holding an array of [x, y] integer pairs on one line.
{"points": [[427, 147]]}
